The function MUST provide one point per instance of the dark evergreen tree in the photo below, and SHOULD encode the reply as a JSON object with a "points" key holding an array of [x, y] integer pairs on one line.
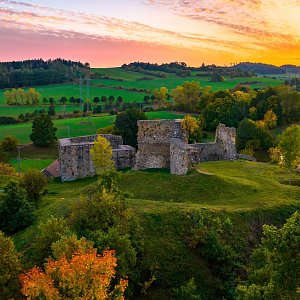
{"points": [[43, 131], [16, 212], [126, 125], [51, 110]]}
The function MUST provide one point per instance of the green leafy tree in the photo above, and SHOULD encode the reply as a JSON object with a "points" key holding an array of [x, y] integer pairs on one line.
{"points": [[48, 232], [9, 143], [188, 291], [34, 182], [98, 210], [51, 110], [274, 272], [289, 144], [43, 131], [217, 77], [16, 212], [96, 100], [10, 268], [222, 108], [250, 135], [187, 95], [125, 253], [161, 95], [67, 246], [126, 125]]}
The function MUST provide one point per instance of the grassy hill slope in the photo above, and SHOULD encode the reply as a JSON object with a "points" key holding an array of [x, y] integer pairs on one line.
{"points": [[251, 194]]}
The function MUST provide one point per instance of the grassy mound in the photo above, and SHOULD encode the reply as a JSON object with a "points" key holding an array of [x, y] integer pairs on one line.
{"points": [[251, 194]]}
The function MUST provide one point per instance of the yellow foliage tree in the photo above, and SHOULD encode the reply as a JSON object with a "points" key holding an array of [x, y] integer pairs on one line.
{"points": [[270, 119], [101, 154], [190, 124], [161, 95]]}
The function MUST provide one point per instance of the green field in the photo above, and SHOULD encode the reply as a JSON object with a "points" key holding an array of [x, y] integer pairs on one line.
{"points": [[172, 81], [74, 127], [68, 90], [130, 80], [15, 111], [28, 164]]}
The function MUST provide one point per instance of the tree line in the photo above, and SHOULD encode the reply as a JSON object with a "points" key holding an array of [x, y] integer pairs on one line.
{"points": [[39, 72]]}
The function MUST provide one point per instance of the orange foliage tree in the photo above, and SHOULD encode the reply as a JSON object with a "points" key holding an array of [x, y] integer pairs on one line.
{"points": [[85, 276]]}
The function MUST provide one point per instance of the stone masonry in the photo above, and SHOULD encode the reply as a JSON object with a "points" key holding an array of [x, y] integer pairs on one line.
{"points": [[163, 144], [75, 161]]}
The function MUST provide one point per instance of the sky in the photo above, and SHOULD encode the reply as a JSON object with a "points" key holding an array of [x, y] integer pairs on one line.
{"points": [[108, 33]]}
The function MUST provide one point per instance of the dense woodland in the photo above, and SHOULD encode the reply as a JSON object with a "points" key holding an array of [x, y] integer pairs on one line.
{"points": [[260, 68], [181, 69], [38, 72]]}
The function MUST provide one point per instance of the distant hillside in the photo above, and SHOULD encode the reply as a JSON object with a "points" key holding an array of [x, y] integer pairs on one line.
{"points": [[261, 68], [16, 74]]}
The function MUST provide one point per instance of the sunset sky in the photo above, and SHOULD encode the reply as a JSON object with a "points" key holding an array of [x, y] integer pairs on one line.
{"points": [[112, 32]]}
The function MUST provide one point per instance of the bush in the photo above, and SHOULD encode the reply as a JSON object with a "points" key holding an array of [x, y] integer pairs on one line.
{"points": [[16, 212], [34, 182], [9, 143], [6, 169], [10, 268]]}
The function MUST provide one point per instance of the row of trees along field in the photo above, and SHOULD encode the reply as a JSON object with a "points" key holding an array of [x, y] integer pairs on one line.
{"points": [[95, 251], [21, 97], [39, 72]]}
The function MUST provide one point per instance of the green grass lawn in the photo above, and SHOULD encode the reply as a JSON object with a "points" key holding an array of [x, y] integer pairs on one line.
{"points": [[29, 164], [75, 127]]}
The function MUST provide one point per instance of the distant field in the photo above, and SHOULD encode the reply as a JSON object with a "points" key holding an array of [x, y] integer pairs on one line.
{"points": [[171, 81], [15, 111], [68, 90], [130, 80], [28, 164], [74, 127]]}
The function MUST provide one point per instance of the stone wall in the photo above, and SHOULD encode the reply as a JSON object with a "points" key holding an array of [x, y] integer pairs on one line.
{"points": [[75, 161], [163, 144], [154, 142]]}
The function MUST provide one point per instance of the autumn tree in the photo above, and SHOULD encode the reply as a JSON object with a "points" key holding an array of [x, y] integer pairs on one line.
{"points": [[43, 131], [289, 144], [85, 276], [34, 182], [101, 154], [274, 271], [161, 95], [270, 119], [193, 127], [187, 95], [10, 268]]}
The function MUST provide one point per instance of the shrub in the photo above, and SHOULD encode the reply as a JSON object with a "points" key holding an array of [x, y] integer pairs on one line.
{"points": [[34, 182], [9, 143], [6, 169], [16, 212]]}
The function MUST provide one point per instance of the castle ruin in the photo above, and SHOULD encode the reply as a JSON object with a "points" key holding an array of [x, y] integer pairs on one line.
{"points": [[75, 161], [161, 144], [164, 144]]}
